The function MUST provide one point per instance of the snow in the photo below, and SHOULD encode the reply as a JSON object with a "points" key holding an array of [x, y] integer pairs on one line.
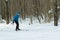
{"points": [[35, 31], [51, 11]]}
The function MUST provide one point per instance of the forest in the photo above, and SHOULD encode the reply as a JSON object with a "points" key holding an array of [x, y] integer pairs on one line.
{"points": [[47, 10]]}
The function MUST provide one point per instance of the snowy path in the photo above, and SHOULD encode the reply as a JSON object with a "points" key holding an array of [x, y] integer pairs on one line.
{"points": [[35, 32], [29, 36]]}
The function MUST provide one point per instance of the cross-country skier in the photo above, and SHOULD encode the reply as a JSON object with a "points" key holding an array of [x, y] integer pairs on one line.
{"points": [[15, 20]]}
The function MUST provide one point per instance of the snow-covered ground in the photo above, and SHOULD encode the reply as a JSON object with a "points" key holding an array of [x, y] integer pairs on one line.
{"points": [[35, 31]]}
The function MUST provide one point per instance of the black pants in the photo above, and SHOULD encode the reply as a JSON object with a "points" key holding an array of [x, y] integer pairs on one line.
{"points": [[17, 25]]}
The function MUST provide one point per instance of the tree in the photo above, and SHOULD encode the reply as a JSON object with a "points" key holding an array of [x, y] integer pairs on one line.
{"points": [[55, 15]]}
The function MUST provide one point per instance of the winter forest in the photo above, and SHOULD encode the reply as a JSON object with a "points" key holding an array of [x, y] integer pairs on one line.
{"points": [[39, 19], [39, 9]]}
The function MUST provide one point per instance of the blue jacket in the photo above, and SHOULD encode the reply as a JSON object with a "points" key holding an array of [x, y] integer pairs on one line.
{"points": [[16, 17]]}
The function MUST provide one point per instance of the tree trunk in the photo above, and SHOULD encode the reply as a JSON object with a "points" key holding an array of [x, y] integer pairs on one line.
{"points": [[55, 15]]}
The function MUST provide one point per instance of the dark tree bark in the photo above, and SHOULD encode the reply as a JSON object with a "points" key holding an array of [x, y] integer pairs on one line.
{"points": [[55, 15]]}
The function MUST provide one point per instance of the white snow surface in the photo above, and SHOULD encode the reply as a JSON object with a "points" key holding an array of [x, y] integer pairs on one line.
{"points": [[35, 31]]}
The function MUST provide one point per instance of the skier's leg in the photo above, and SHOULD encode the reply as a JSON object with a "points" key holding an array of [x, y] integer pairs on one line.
{"points": [[18, 26]]}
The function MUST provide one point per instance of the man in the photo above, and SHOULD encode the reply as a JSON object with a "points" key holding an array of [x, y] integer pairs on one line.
{"points": [[15, 19]]}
